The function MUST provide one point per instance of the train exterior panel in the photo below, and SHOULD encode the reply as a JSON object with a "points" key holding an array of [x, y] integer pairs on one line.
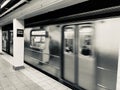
{"points": [[107, 46], [82, 53]]}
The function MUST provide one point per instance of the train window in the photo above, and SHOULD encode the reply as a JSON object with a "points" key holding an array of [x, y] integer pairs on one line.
{"points": [[37, 39], [69, 38], [42, 39], [85, 40]]}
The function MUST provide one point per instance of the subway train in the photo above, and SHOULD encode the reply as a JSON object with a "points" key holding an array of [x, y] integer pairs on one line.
{"points": [[83, 53]]}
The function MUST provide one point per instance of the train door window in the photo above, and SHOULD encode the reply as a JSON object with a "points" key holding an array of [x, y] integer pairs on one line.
{"points": [[68, 39], [85, 40], [37, 39]]}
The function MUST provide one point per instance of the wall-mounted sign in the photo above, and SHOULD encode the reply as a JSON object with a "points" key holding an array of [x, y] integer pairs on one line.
{"points": [[20, 32]]}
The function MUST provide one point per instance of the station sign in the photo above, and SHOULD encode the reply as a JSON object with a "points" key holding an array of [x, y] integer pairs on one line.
{"points": [[20, 32], [38, 32]]}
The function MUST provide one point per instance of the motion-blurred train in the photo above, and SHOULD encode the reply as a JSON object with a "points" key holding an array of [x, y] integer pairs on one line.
{"points": [[85, 53]]}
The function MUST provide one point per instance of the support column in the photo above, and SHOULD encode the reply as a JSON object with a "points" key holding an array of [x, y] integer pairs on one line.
{"points": [[18, 44], [118, 72], [0, 40]]}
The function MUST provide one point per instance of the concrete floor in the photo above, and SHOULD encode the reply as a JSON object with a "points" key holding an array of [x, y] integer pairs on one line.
{"points": [[14, 80], [25, 79]]}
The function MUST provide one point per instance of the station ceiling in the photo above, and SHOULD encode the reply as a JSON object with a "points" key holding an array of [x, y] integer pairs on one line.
{"points": [[88, 5], [8, 5], [1, 1], [76, 12]]}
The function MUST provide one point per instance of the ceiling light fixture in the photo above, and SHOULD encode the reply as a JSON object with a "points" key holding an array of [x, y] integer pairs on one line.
{"points": [[4, 3]]}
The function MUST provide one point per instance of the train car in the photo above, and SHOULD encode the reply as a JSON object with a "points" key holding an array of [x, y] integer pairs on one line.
{"points": [[84, 54]]}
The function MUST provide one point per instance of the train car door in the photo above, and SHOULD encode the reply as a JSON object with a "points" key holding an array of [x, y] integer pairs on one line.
{"points": [[69, 53], [86, 57], [78, 56]]}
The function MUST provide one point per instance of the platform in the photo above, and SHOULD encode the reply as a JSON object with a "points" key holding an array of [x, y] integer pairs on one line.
{"points": [[25, 79]]}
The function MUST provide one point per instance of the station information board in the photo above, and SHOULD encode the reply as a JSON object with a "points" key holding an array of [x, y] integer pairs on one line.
{"points": [[20, 32]]}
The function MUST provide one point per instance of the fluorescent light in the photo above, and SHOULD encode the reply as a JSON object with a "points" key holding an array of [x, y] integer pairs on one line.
{"points": [[5, 3]]}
